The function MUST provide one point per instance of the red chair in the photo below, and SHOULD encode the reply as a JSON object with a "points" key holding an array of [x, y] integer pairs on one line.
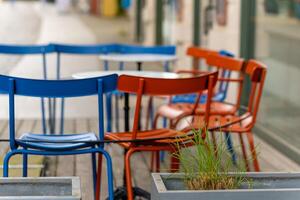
{"points": [[154, 86], [174, 112], [241, 124]]}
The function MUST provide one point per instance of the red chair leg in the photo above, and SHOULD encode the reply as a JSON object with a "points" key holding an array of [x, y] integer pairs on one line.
{"points": [[98, 183], [128, 174], [153, 158], [175, 163], [253, 151], [214, 140], [157, 157], [244, 152]]}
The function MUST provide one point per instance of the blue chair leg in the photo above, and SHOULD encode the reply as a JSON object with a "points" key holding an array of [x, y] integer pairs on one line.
{"points": [[6, 163], [62, 115], [94, 168], [43, 116], [163, 153], [230, 148], [108, 111], [109, 175], [25, 164]]}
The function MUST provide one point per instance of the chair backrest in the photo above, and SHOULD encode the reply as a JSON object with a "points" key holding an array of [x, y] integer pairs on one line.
{"points": [[55, 88], [254, 69], [43, 50], [202, 54], [232, 64], [158, 86], [86, 49], [257, 72], [26, 49], [135, 49]]}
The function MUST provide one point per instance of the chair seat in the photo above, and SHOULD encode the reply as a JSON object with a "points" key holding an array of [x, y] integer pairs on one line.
{"points": [[173, 111], [146, 135], [54, 140], [191, 98], [230, 123]]}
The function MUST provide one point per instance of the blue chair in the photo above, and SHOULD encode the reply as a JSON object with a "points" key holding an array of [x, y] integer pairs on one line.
{"points": [[107, 49], [42, 50], [77, 50], [54, 145]]}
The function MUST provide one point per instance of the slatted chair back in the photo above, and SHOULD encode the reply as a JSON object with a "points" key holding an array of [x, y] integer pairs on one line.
{"points": [[232, 64], [158, 86], [42, 50], [198, 54], [257, 72], [254, 69], [55, 89], [137, 49]]}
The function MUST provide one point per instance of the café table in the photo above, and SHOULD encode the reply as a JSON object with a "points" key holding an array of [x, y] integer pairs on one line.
{"points": [[120, 192]]}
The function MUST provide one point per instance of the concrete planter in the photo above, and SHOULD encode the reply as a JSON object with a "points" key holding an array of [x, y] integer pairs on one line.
{"points": [[50, 188], [266, 186]]}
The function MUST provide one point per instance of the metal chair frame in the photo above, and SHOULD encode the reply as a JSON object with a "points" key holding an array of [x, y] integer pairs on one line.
{"points": [[141, 86], [42, 50], [57, 89]]}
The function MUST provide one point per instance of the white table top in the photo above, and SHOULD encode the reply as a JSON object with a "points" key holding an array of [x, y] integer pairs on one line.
{"points": [[138, 57], [149, 74]]}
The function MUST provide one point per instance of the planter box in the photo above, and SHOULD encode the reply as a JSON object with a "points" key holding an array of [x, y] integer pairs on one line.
{"points": [[266, 186], [50, 188]]}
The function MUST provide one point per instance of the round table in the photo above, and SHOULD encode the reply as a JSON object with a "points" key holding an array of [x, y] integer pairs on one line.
{"points": [[149, 74], [120, 192], [139, 59]]}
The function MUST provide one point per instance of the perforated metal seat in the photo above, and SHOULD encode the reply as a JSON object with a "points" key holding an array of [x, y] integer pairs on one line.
{"points": [[57, 142]]}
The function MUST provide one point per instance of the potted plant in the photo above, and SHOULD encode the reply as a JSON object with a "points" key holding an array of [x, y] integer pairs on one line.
{"points": [[208, 173]]}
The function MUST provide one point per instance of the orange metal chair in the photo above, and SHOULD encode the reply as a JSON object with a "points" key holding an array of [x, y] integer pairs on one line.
{"points": [[176, 111], [153, 86], [245, 122]]}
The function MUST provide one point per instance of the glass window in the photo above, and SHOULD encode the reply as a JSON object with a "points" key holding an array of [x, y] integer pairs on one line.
{"points": [[278, 46]]}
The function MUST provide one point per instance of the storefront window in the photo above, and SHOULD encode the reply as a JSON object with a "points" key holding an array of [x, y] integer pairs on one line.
{"points": [[278, 46]]}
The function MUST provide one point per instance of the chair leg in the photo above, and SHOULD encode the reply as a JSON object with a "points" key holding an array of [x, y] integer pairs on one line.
{"points": [[117, 113], [214, 140], [149, 114], [108, 111], [94, 168], [62, 116], [25, 164], [174, 163], [253, 151], [230, 148], [153, 155], [99, 173], [43, 116], [244, 152], [128, 174], [157, 157], [6, 163], [109, 175]]}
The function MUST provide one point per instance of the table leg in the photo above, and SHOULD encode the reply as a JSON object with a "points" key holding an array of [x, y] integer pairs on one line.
{"points": [[139, 66]]}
